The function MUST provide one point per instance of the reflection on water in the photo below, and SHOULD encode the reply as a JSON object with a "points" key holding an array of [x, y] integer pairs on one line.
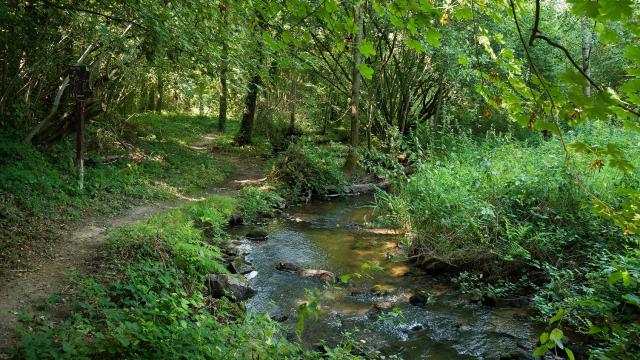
{"points": [[323, 236]]}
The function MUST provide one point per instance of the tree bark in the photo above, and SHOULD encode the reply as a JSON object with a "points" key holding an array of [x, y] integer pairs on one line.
{"points": [[351, 162], [292, 105], [245, 133], [160, 91], [586, 53], [224, 66]]}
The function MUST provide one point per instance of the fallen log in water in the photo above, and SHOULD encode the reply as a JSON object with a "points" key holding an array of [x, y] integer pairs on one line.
{"points": [[359, 189]]}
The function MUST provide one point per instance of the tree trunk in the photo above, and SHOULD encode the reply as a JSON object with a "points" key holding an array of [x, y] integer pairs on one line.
{"points": [[201, 99], [245, 133], [224, 66], [160, 99], [352, 160], [292, 105], [586, 53]]}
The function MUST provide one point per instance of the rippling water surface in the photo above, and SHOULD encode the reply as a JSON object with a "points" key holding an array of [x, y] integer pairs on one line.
{"points": [[325, 235]]}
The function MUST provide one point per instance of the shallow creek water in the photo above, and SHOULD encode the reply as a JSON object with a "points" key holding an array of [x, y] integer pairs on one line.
{"points": [[325, 235]]}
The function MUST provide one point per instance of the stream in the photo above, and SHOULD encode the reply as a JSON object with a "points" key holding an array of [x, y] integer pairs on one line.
{"points": [[327, 235]]}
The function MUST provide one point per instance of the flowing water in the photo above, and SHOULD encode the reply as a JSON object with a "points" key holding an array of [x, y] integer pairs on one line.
{"points": [[325, 235]]}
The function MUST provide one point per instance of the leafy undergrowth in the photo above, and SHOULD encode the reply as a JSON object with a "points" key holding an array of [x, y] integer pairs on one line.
{"points": [[225, 143], [307, 170], [520, 221], [150, 302], [149, 157]]}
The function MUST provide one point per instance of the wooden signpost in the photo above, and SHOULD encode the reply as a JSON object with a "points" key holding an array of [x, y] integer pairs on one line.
{"points": [[80, 90]]}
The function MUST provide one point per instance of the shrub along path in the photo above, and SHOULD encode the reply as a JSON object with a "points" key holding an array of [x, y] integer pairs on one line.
{"points": [[22, 289]]}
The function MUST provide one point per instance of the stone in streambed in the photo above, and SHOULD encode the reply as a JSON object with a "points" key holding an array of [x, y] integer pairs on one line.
{"points": [[324, 275], [517, 354], [257, 235], [418, 300], [235, 287], [241, 266], [382, 290], [383, 305]]}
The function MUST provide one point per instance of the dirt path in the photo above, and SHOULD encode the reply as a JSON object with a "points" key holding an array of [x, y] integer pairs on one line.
{"points": [[27, 288]]}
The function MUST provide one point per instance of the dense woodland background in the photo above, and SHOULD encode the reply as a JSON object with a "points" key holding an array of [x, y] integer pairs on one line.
{"points": [[507, 129]]}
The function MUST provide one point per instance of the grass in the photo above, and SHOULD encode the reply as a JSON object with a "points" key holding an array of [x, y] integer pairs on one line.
{"points": [[154, 160], [512, 218], [149, 303]]}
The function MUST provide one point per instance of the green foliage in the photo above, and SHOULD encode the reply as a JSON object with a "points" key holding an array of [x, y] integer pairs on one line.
{"points": [[152, 311], [154, 160], [481, 291], [310, 170], [183, 235], [152, 306], [255, 202], [503, 202]]}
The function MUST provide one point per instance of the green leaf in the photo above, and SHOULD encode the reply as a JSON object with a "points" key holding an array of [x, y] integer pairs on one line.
{"points": [[607, 35], [463, 13], [463, 60], [366, 48], [365, 70], [556, 335], [632, 53], [540, 350], [415, 45], [544, 337], [379, 10], [569, 354], [433, 38], [557, 316], [585, 8], [631, 299]]}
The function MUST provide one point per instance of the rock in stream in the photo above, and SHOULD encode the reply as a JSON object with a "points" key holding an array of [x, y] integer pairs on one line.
{"points": [[235, 287]]}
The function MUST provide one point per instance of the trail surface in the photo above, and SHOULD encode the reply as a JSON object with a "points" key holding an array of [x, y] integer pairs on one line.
{"points": [[81, 247]]}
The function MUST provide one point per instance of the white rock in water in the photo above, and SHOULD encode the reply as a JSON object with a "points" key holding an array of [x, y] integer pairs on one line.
{"points": [[251, 275]]}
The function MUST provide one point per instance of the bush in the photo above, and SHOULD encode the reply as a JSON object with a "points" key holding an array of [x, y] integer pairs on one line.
{"points": [[309, 170], [255, 203], [153, 312], [518, 219]]}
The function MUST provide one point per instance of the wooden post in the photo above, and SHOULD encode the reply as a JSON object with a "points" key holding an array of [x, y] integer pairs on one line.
{"points": [[80, 142], [79, 76]]}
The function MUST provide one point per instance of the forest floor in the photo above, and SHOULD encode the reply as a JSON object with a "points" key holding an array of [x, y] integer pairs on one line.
{"points": [[47, 280]]}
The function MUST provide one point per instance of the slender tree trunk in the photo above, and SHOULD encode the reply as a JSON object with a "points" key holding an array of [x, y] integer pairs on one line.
{"points": [[292, 105], [151, 98], [160, 91], [369, 124], [586, 53], [222, 110], [352, 161], [224, 66], [201, 99], [245, 133]]}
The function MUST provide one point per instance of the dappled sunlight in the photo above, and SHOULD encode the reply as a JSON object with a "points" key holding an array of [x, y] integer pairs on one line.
{"points": [[398, 270], [250, 182]]}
